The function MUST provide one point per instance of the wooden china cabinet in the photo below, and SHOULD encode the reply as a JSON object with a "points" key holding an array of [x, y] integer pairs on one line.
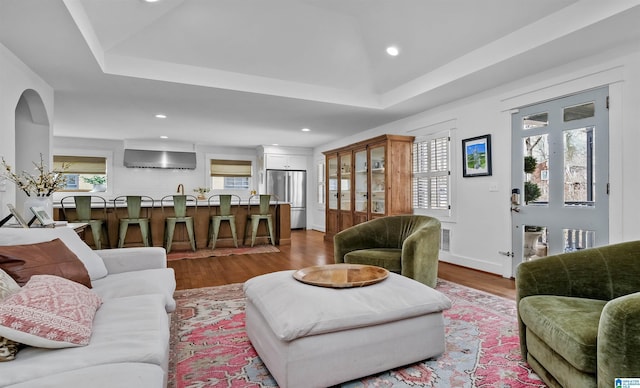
{"points": [[368, 179]]}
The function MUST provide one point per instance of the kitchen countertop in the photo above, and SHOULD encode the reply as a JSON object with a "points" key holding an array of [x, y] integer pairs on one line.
{"points": [[166, 203], [201, 213]]}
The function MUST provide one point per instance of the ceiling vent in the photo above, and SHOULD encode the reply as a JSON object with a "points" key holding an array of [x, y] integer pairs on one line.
{"points": [[159, 159]]}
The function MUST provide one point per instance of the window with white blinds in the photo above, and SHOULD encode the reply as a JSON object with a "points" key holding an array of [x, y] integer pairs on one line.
{"points": [[431, 173]]}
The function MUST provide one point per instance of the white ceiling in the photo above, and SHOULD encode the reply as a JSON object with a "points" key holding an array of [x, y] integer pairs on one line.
{"points": [[251, 72]]}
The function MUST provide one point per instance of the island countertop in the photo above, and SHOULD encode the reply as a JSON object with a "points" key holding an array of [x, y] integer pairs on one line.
{"points": [[160, 203], [200, 210]]}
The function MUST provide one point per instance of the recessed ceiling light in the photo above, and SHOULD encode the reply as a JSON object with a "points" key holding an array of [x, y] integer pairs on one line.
{"points": [[164, 137], [274, 144], [305, 130], [150, 1], [393, 51], [161, 116]]}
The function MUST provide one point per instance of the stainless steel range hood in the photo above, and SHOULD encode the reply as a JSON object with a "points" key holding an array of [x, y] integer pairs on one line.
{"points": [[159, 159]]}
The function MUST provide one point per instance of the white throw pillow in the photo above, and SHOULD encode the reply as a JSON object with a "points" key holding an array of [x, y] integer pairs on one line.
{"points": [[18, 236]]}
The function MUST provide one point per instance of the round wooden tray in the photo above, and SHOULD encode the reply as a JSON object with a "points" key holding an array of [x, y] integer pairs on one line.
{"points": [[341, 275]]}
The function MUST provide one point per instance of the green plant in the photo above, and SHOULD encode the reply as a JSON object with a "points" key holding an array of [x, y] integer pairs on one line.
{"points": [[95, 180], [531, 192], [201, 190], [530, 164]]}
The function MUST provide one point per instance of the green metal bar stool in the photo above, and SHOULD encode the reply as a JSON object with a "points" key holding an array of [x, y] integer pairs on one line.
{"points": [[263, 214], [134, 211], [84, 205], [227, 202], [179, 216]]}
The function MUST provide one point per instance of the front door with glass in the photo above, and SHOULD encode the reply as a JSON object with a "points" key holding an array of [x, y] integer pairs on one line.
{"points": [[560, 176]]}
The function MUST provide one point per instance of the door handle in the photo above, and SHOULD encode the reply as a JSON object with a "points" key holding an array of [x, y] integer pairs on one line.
{"points": [[287, 187], [515, 197], [515, 200]]}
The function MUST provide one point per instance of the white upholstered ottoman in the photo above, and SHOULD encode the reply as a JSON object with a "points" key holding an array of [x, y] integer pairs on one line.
{"points": [[310, 336]]}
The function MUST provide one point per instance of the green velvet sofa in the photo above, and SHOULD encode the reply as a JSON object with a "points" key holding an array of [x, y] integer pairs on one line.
{"points": [[579, 315], [405, 244]]}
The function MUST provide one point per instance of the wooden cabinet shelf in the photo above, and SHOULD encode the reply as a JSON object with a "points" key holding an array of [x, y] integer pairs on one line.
{"points": [[368, 179]]}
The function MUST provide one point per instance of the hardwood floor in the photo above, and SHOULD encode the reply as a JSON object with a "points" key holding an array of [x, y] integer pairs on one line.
{"points": [[307, 248]]}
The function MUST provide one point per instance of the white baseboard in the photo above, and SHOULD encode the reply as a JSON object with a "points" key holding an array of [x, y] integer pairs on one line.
{"points": [[319, 228], [502, 269]]}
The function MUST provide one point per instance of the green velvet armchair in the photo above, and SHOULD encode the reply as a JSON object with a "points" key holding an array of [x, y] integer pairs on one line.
{"points": [[579, 315], [406, 244]]}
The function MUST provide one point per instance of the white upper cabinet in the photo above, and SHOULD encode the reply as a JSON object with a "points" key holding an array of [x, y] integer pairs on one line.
{"points": [[286, 162]]}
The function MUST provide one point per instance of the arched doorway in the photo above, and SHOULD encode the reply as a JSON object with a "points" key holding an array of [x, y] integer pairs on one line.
{"points": [[32, 134]]}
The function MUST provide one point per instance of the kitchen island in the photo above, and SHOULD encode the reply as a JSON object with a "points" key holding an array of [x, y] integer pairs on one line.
{"points": [[201, 212]]}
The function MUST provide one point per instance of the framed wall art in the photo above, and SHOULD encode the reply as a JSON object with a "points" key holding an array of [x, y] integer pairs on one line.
{"points": [[15, 214], [72, 182], [476, 156], [43, 217]]}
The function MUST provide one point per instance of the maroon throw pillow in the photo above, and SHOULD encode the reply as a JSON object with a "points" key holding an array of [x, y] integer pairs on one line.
{"points": [[45, 258]]}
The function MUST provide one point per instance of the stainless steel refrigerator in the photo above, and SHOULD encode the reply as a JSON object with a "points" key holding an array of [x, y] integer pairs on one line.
{"points": [[291, 187]]}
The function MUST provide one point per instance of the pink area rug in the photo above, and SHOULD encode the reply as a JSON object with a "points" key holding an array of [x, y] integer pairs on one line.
{"points": [[210, 348], [203, 253]]}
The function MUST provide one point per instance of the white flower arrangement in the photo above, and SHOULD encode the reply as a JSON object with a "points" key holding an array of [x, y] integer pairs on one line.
{"points": [[42, 184]]}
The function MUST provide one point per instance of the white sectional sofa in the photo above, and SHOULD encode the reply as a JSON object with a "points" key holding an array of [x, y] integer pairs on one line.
{"points": [[129, 343]]}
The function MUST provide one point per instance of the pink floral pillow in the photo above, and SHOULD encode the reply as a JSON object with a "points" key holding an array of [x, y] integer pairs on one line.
{"points": [[49, 312], [8, 348]]}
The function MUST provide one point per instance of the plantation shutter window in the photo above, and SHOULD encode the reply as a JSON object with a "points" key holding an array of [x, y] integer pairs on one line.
{"points": [[431, 173], [230, 168]]}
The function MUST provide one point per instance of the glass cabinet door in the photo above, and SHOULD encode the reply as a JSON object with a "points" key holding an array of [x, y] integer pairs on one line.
{"points": [[378, 183], [345, 182], [332, 181], [361, 198]]}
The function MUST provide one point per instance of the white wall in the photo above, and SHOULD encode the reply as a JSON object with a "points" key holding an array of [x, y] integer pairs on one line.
{"points": [[482, 223], [149, 181], [15, 79]]}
